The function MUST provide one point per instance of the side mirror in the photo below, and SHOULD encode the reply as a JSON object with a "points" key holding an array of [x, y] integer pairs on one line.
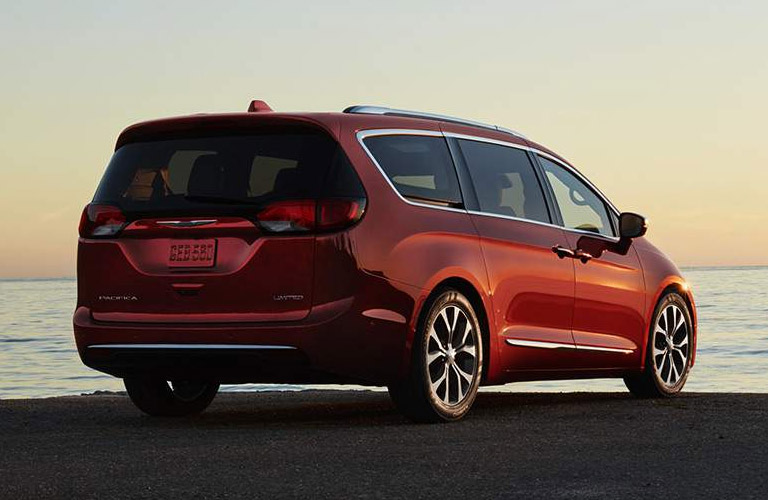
{"points": [[632, 225]]}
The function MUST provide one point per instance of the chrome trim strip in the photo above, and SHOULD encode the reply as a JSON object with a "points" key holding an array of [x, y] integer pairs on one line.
{"points": [[454, 135], [518, 219], [186, 223], [381, 110], [603, 349], [363, 134], [564, 164], [557, 345], [191, 346], [578, 174], [539, 344]]}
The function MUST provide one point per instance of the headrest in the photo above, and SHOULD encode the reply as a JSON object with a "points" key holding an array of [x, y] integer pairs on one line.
{"points": [[503, 181], [205, 177], [287, 180]]}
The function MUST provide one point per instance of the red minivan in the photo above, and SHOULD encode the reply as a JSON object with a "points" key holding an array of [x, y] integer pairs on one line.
{"points": [[425, 253]]}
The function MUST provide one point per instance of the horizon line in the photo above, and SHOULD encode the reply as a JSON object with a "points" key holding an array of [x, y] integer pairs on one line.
{"points": [[682, 268]]}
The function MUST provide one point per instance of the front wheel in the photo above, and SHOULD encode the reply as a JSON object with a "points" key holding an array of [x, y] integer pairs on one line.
{"points": [[161, 398], [447, 363], [670, 350]]}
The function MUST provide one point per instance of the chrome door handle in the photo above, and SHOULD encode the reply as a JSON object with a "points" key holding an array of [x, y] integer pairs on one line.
{"points": [[563, 252], [583, 256]]}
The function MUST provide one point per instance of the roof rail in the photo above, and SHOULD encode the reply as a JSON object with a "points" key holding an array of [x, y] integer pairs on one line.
{"points": [[380, 110]]}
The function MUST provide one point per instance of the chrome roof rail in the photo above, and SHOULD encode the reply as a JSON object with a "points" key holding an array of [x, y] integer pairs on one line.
{"points": [[379, 110]]}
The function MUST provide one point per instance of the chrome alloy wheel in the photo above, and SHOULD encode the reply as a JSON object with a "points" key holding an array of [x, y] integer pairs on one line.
{"points": [[452, 357], [671, 345]]}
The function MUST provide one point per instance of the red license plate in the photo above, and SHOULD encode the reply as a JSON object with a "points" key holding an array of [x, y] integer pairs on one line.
{"points": [[192, 253]]}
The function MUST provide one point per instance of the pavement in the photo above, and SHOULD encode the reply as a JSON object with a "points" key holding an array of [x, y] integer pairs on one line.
{"points": [[350, 444]]}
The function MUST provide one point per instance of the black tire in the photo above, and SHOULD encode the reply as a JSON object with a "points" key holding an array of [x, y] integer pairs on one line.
{"points": [[159, 398], [414, 396], [649, 383]]}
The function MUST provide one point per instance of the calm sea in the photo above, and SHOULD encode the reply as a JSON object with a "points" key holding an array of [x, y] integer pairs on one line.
{"points": [[38, 356]]}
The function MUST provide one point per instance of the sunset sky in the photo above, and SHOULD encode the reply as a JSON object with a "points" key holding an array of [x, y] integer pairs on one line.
{"points": [[663, 104]]}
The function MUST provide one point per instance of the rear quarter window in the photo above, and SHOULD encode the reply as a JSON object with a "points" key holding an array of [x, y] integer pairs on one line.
{"points": [[419, 167]]}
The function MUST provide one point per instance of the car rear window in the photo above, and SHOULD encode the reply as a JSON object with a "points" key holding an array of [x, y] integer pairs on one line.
{"points": [[195, 173], [419, 167]]}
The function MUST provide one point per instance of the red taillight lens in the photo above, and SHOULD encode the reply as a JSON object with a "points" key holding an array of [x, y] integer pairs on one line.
{"points": [[308, 215], [288, 216], [101, 221], [339, 213]]}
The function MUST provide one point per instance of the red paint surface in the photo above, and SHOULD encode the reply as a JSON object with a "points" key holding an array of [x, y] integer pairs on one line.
{"points": [[315, 292]]}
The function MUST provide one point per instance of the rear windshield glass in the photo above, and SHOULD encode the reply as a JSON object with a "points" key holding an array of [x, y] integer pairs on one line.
{"points": [[197, 173]]}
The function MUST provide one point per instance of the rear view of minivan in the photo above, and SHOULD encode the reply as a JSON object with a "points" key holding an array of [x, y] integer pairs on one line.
{"points": [[383, 247]]}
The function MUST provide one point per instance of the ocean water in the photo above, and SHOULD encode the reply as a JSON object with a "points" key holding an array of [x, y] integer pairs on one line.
{"points": [[38, 356]]}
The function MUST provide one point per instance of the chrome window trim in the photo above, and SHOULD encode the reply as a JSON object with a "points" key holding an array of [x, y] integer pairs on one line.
{"points": [[191, 346], [543, 344], [363, 134], [518, 219], [548, 156]]}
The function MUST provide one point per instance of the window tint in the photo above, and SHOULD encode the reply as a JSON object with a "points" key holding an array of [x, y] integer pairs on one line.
{"points": [[504, 180], [420, 167], [579, 206], [173, 175]]}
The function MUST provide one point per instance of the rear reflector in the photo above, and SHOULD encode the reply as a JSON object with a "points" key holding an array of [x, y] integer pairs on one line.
{"points": [[309, 215], [101, 221]]}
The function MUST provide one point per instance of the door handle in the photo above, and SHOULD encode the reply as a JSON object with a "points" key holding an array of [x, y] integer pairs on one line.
{"points": [[563, 252], [583, 256]]}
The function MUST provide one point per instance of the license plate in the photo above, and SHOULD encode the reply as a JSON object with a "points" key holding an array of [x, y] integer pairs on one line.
{"points": [[192, 253]]}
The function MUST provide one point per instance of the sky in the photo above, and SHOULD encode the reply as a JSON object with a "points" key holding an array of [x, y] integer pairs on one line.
{"points": [[662, 104]]}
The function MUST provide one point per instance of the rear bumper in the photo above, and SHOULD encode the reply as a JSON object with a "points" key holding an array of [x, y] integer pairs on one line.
{"points": [[336, 343], [229, 363]]}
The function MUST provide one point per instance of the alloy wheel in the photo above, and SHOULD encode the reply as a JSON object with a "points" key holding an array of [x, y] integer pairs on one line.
{"points": [[671, 345], [451, 355]]}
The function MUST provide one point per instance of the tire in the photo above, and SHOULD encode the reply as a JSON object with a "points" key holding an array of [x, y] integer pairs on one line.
{"points": [[443, 388], [159, 398], [667, 359]]}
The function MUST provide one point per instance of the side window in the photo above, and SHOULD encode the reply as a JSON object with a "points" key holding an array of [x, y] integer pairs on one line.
{"points": [[420, 167], [504, 180], [579, 206]]}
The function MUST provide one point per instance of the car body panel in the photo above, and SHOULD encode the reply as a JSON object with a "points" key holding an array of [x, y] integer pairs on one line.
{"points": [[610, 302], [357, 295]]}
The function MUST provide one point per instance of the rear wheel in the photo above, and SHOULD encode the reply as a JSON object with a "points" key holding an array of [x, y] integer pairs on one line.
{"points": [[177, 398], [447, 363], [669, 351]]}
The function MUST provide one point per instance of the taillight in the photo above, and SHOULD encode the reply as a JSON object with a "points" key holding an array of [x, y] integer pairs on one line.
{"points": [[304, 216], [288, 216], [101, 221], [339, 213]]}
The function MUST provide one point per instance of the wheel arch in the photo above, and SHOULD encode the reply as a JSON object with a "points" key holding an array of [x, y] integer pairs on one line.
{"points": [[673, 284], [470, 291]]}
